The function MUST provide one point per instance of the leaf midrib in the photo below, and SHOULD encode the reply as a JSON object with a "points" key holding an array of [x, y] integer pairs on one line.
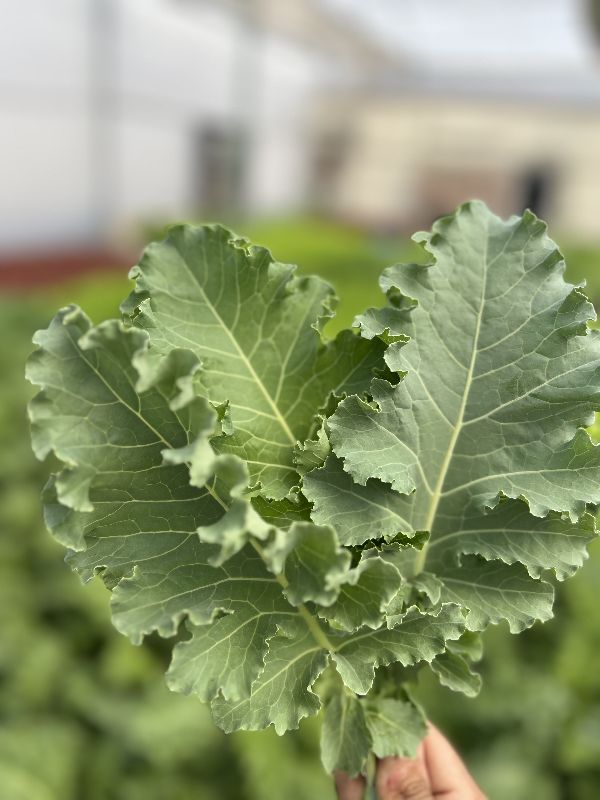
{"points": [[434, 502], [243, 357]]}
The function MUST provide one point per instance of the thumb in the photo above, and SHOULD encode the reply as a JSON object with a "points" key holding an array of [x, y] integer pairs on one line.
{"points": [[403, 779]]}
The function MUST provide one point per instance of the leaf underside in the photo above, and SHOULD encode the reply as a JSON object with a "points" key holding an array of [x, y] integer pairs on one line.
{"points": [[313, 516]]}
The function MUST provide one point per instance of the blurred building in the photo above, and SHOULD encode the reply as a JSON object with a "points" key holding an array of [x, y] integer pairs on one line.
{"points": [[416, 151], [495, 100], [119, 112]]}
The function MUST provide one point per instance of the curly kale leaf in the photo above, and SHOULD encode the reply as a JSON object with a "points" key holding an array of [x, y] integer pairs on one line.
{"points": [[480, 443], [311, 519]]}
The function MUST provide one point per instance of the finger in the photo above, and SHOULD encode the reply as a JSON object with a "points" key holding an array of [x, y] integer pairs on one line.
{"points": [[447, 772], [403, 779], [349, 788]]}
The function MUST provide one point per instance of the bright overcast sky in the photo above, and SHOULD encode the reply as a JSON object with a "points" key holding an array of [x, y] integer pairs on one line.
{"points": [[506, 35]]}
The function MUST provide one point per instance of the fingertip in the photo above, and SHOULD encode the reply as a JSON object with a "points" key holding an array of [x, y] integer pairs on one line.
{"points": [[348, 788], [445, 767], [402, 778]]}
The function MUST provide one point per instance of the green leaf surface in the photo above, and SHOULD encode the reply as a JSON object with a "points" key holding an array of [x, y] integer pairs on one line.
{"points": [[423, 584], [282, 695], [283, 504], [454, 672], [228, 655], [282, 513], [500, 369], [364, 595], [498, 373], [469, 646], [141, 480], [494, 592], [255, 328], [358, 513], [312, 453], [163, 591], [312, 561], [136, 510], [239, 524], [345, 738], [396, 726], [511, 534], [416, 637], [110, 438]]}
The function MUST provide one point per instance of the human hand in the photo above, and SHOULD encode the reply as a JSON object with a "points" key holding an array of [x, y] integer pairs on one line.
{"points": [[436, 772]]}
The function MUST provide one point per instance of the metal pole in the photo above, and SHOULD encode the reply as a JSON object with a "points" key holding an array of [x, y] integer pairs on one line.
{"points": [[102, 113], [245, 90]]}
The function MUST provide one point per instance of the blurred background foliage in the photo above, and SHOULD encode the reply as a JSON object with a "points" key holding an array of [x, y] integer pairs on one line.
{"points": [[85, 715]]}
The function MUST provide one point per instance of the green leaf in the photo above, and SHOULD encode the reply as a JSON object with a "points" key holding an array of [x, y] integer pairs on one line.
{"points": [[164, 590], [281, 503], [494, 344], [135, 508], [141, 479], [312, 453], [416, 637], [470, 646], [454, 672], [79, 407], [499, 372], [358, 513], [255, 328], [345, 738], [111, 438], [282, 695], [282, 513], [493, 592], [238, 525], [228, 655], [511, 534], [312, 561], [364, 595], [396, 726], [422, 584]]}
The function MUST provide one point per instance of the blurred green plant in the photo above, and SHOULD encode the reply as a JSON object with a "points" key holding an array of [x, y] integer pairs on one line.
{"points": [[84, 714]]}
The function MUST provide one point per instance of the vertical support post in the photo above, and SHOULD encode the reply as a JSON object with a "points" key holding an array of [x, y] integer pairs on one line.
{"points": [[245, 92], [102, 114]]}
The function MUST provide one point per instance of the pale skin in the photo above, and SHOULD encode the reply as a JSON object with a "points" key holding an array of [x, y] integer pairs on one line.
{"points": [[437, 773]]}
